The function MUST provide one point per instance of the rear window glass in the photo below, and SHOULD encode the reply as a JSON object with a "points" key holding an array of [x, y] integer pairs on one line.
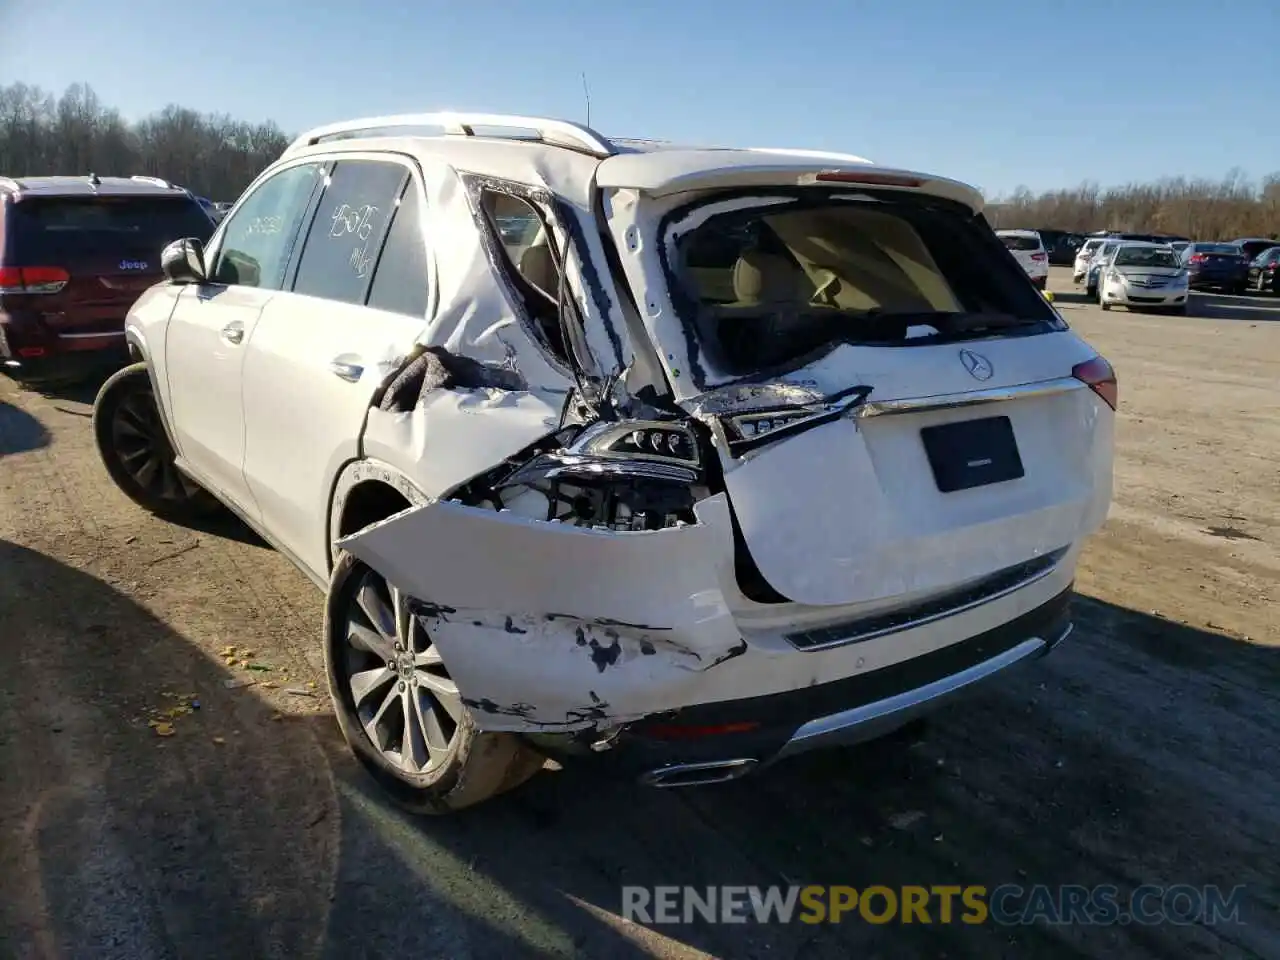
{"points": [[1016, 242], [133, 227], [767, 285], [1216, 248], [1145, 257]]}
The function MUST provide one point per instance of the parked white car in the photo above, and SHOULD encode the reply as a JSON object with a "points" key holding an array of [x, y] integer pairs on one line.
{"points": [[1084, 256], [1028, 249], [677, 460], [1143, 276]]}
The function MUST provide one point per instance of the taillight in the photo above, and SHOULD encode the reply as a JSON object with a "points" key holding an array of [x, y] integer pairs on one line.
{"points": [[1198, 258], [1039, 256], [1100, 377], [872, 179], [32, 279], [1273, 266]]}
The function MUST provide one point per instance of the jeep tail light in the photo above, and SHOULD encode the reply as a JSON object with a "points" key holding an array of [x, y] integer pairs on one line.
{"points": [[1101, 379], [32, 279], [1039, 256], [1198, 258]]}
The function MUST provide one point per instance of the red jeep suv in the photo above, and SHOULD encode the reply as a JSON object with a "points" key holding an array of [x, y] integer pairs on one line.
{"points": [[75, 252]]}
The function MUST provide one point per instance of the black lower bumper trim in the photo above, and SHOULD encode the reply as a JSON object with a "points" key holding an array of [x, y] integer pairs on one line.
{"points": [[779, 715]]}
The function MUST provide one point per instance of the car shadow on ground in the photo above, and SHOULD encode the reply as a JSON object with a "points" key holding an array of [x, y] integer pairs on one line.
{"points": [[1143, 751], [1004, 789], [19, 431], [1221, 306]]}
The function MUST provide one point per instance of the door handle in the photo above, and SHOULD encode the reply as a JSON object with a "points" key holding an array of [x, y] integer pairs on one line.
{"points": [[345, 370], [233, 332]]}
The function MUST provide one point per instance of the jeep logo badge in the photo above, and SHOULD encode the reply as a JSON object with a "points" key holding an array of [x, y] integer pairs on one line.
{"points": [[133, 264], [979, 367]]}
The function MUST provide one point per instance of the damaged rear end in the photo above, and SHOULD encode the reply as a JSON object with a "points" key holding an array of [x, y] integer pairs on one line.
{"points": [[860, 490]]}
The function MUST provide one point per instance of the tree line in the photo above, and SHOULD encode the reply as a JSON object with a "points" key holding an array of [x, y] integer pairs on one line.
{"points": [[213, 155], [1201, 209], [217, 156]]}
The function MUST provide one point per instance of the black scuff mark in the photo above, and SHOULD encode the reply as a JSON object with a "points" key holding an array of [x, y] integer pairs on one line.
{"points": [[609, 622], [646, 648], [735, 651], [522, 710], [425, 608], [604, 657], [580, 637], [510, 627], [595, 711]]}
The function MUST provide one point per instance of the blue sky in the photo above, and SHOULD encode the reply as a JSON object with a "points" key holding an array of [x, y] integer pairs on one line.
{"points": [[995, 93]]}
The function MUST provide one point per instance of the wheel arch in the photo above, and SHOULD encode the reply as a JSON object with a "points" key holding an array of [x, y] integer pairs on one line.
{"points": [[139, 352], [367, 491]]}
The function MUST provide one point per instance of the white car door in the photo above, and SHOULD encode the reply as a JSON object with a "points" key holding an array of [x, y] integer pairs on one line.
{"points": [[320, 351], [210, 328]]}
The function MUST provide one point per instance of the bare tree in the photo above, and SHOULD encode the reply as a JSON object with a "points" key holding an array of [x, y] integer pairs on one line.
{"points": [[213, 155], [1201, 209]]}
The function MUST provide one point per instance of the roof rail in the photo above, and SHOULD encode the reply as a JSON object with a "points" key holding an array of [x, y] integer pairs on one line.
{"points": [[815, 154], [156, 181], [562, 133]]}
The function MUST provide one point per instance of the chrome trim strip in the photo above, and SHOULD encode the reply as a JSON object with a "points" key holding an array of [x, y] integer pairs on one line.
{"points": [[728, 769], [884, 716], [90, 336], [855, 637], [945, 401]]}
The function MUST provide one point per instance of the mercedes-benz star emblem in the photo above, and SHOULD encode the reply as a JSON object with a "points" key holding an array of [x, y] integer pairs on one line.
{"points": [[979, 367]]}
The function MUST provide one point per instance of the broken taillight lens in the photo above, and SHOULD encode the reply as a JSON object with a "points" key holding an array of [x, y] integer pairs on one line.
{"points": [[1100, 377]]}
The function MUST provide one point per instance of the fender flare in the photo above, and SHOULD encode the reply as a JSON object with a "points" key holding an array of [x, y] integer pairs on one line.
{"points": [[357, 473], [136, 341]]}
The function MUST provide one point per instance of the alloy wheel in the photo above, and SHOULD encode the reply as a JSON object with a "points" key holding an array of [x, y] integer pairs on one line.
{"points": [[406, 702], [142, 447]]}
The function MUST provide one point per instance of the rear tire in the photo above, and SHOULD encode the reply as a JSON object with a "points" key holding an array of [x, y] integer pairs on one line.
{"points": [[443, 762], [135, 449], [1105, 306]]}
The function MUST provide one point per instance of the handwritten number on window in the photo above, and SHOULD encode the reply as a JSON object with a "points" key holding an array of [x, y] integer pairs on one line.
{"points": [[348, 220]]}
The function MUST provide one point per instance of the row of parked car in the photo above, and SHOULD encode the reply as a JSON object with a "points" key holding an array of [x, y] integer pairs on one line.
{"points": [[1237, 266]]}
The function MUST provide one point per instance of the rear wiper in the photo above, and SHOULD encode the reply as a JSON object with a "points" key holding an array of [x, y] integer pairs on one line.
{"points": [[950, 322]]}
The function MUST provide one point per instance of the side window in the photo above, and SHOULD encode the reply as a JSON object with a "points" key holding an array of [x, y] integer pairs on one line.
{"points": [[530, 262], [400, 280], [347, 232], [258, 239]]}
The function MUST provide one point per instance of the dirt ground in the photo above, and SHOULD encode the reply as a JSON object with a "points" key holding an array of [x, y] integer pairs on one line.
{"points": [[1146, 750]]}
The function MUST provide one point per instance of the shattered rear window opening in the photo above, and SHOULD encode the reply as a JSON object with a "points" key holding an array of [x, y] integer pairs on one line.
{"points": [[767, 284]]}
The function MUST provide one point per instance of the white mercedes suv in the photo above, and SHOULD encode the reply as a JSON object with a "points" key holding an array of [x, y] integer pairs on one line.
{"points": [[675, 460]]}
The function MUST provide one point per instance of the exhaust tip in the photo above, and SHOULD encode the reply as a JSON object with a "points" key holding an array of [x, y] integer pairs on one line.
{"points": [[698, 774]]}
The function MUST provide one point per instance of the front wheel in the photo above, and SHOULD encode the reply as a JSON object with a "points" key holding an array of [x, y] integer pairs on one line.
{"points": [[398, 708], [136, 451]]}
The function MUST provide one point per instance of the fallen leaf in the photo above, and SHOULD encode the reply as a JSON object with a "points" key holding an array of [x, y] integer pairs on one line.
{"points": [[219, 740], [164, 729]]}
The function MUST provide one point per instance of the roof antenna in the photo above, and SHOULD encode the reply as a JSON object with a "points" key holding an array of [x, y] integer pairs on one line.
{"points": [[586, 93]]}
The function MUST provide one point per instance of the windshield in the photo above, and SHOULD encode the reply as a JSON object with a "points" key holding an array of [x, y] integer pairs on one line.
{"points": [[1218, 249], [105, 226], [1014, 241], [1090, 246], [1145, 257], [765, 285]]}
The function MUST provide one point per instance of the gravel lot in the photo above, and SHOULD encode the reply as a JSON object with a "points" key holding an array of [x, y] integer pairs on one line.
{"points": [[1147, 750]]}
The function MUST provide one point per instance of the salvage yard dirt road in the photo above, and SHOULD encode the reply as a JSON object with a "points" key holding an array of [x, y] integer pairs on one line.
{"points": [[153, 804]]}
